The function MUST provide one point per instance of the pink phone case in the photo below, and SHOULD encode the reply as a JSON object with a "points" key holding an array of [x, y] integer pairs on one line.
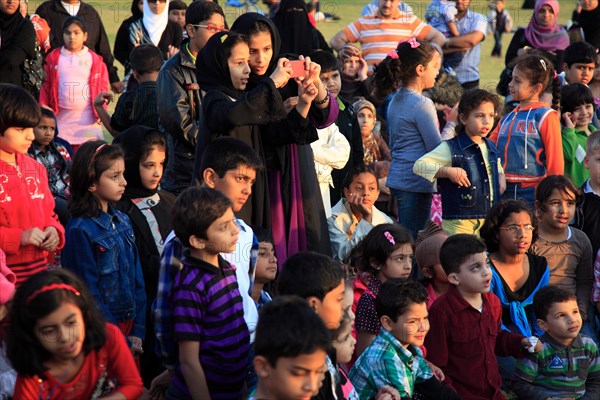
{"points": [[297, 69]]}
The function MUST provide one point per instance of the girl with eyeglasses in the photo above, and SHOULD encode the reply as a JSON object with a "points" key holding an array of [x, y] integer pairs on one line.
{"points": [[517, 274]]}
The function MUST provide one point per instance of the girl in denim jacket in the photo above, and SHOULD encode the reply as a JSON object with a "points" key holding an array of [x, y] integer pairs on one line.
{"points": [[100, 245]]}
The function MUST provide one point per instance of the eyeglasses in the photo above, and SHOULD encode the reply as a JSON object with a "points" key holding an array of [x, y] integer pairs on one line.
{"points": [[517, 228], [211, 28]]}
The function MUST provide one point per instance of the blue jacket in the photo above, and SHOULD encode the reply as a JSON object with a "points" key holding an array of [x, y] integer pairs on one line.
{"points": [[476, 200], [102, 251]]}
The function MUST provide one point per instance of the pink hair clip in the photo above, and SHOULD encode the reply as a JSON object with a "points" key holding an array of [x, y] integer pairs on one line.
{"points": [[555, 75], [412, 41], [393, 55], [389, 237]]}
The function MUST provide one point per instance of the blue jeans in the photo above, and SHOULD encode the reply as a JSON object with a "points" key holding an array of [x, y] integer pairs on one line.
{"points": [[414, 209], [515, 191]]}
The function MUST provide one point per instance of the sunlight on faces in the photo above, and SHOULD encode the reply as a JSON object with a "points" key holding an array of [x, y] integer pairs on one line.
{"points": [[221, 235], [9, 7], [16, 140], [520, 87], [518, 241], [411, 327], [563, 321], [292, 378], [475, 275], [386, 7], [348, 301], [331, 309], [151, 169], [579, 72], [344, 345], [239, 69], [44, 131], [351, 66], [592, 162], [398, 264], [62, 332], [480, 121], [74, 38], [589, 5], [332, 81], [560, 210], [110, 186], [199, 36], [236, 185], [266, 263], [545, 16], [431, 70], [261, 52], [157, 7], [366, 121], [583, 115], [365, 185]]}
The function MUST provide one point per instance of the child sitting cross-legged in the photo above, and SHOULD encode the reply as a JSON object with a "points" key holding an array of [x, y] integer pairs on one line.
{"points": [[466, 323], [394, 357], [568, 366]]}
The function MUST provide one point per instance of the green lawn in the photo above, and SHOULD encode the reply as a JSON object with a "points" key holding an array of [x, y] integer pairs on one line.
{"points": [[113, 12]]}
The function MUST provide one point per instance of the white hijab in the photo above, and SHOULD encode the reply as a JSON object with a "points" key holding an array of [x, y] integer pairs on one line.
{"points": [[155, 24]]}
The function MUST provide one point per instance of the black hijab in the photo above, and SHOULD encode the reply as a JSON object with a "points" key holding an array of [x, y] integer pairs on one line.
{"points": [[131, 140], [244, 24], [9, 25], [212, 69], [297, 33], [135, 11]]}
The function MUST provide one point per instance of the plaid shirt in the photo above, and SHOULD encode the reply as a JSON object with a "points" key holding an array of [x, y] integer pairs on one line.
{"points": [[387, 362], [468, 69]]}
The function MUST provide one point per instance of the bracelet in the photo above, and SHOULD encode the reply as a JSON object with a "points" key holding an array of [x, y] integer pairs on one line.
{"points": [[324, 100]]}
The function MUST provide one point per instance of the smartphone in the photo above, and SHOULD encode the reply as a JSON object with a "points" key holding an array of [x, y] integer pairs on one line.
{"points": [[298, 70]]}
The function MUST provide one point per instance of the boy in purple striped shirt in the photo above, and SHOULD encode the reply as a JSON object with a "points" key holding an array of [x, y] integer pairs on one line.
{"points": [[207, 308]]}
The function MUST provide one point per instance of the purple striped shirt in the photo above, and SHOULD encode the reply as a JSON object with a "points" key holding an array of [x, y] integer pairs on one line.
{"points": [[207, 307]]}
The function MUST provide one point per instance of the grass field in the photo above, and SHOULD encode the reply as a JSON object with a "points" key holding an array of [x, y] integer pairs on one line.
{"points": [[113, 12]]}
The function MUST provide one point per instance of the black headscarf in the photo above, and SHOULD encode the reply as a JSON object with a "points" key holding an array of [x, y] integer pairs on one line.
{"points": [[212, 69], [243, 24], [135, 11], [9, 25], [297, 33], [131, 141]]}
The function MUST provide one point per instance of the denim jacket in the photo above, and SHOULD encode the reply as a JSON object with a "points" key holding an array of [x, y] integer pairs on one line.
{"points": [[102, 251]]}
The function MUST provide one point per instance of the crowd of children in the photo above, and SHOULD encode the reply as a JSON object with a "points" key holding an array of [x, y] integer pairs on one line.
{"points": [[272, 273]]}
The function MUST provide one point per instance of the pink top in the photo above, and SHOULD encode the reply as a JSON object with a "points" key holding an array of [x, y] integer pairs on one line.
{"points": [[74, 70]]}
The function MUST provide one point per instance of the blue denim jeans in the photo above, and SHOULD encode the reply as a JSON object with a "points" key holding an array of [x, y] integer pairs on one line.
{"points": [[414, 209], [515, 191]]}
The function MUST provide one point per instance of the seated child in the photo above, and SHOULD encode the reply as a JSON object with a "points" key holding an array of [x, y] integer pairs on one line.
{"points": [[579, 63], [468, 167], [394, 357], [135, 106], [577, 106], [427, 255], [318, 279], [289, 351], [441, 15], [266, 268], [208, 314], [355, 215], [56, 157], [466, 323], [376, 152], [568, 366], [587, 216]]}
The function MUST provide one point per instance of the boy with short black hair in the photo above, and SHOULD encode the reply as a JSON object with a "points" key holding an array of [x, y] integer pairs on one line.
{"points": [[266, 266], [135, 106], [290, 339], [394, 357], [208, 314], [177, 14], [579, 63], [466, 323], [569, 364]]}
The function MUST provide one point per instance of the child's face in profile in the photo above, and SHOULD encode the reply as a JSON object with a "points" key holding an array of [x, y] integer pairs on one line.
{"points": [[479, 121], [111, 184], [332, 81], [16, 140], [239, 69], [579, 72], [398, 264], [331, 309], [74, 38], [563, 321], [366, 121], [151, 169], [592, 162], [293, 378], [62, 332], [222, 234], [411, 327], [344, 345], [177, 16], [351, 67], [560, 210], [236, 184], [475, 275], [266, 263], [44, 132]]}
